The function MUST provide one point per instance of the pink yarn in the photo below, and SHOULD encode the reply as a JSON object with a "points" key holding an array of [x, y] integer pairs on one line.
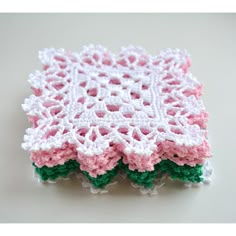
{"points": [[197, 92], [187, 65], [100, 164], [33, 120], [184, 155], [54, 157], [200, 120], [37, 92], [141, 163]]}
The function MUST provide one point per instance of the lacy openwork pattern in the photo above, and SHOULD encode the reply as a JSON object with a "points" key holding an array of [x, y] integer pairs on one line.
{"points": [[97, 107], [95, 98]]}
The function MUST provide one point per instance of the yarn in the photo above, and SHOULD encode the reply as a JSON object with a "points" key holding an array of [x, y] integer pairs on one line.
{"points": [[94, 106], [184, 173], [102, 180], [52, 173], [141, 178], [100, 113]]}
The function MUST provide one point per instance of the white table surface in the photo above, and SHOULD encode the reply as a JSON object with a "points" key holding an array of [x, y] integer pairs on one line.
{"points": [[209, 38]]}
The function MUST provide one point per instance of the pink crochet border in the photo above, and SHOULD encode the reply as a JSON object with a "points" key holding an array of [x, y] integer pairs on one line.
{"points": [[100, 164]]}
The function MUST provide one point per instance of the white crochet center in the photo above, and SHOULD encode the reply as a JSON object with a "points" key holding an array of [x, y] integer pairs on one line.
{"points": [[95, 98]]}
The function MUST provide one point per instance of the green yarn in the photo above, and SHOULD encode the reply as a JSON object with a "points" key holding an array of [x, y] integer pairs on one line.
{"points": [[184, 173], [52, 173], [102, 180], [141, 178]]}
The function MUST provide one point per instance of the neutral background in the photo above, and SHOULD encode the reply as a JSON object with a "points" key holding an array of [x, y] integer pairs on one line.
{"points": [[210, 39]]}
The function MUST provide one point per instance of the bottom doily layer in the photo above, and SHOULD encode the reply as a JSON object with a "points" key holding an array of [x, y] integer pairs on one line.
{"points": [[183, 173]]}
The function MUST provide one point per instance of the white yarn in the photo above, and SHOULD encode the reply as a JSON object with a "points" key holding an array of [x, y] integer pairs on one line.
{"points": [[207, 172], [104, 88]]}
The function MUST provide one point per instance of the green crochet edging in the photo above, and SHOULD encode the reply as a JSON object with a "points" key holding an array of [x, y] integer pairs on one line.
{"points": [[52, 173], [184, 173], [141, 178], [102, 180]]}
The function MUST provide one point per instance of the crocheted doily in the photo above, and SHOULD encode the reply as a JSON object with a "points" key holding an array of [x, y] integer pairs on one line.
{"points": [[139, 103]]}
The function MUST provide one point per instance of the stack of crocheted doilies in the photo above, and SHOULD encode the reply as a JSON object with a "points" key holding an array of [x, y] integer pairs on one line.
{"points": [[98, 112]]}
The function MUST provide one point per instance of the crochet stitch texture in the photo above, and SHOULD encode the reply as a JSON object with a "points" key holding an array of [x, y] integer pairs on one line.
{"points": [[101, 112]]}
